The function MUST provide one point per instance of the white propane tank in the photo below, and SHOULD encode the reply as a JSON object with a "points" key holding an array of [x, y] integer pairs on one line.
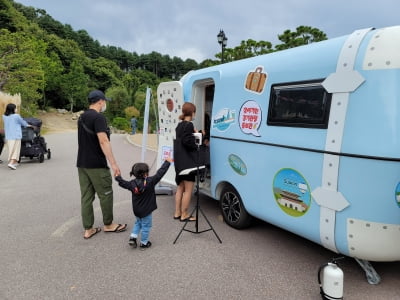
{"points": [[332, 282]]}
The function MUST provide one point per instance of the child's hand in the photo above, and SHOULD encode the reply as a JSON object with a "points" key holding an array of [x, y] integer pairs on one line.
{"points": [[169, 159]]}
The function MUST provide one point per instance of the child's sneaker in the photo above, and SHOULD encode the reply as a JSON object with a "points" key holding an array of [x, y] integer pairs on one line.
{"points": [[144, 246], [132, 242]]}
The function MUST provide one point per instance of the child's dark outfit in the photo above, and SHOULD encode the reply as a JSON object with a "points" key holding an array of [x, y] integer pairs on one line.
{"points": [[143, 203]]}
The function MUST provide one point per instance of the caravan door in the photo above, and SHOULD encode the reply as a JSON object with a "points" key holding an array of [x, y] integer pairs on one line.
{"points": [[170, 101]]}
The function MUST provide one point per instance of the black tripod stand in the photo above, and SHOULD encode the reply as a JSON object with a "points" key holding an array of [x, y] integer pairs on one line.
{"points": [[197, 208]]}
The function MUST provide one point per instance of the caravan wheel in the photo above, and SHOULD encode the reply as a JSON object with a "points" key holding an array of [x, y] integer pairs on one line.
{"points": [[233, 211]]}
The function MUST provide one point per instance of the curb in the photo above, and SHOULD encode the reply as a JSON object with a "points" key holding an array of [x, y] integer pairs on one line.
{"points": [[134, 143]]}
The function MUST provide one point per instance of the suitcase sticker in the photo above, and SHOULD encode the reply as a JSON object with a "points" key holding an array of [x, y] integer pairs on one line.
{"points": [[255, 81]]}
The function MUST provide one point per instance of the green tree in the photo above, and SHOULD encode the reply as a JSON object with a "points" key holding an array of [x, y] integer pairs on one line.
{"points": [[189, 65], [20, 66], [153, 62], [246, 49], [66, 50], [140, 105], [116, 107], [52, 68], [62, 53], [302, 36], [50, 25], [6, 17], [103, 73], [87, 44], [131, 84], [249, 48], [209, 63], [138, 80], [74, 86], [176, 68]]}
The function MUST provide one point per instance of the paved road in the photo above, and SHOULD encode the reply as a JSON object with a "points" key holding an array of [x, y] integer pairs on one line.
{"points": [[43, 254]]}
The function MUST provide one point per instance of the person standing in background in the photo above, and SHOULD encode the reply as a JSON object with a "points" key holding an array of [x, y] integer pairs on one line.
{"points": [[13, 133], [133, 125]]}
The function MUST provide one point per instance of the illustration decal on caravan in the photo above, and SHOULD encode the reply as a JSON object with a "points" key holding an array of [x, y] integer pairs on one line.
{"points": [[255, 80], [250, 117], [398, 194], [237, 164], [224, 119], [291, 192]]}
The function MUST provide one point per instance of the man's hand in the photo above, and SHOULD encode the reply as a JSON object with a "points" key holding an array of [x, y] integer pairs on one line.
{"points": [[116, 170]]}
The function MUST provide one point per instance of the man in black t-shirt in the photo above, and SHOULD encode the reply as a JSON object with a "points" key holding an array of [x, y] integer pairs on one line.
{"points": [[94, 150]]}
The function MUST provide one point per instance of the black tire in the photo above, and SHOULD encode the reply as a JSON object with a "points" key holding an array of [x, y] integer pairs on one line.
{"points": [[232, 209], [48, 154], [41, 157]]}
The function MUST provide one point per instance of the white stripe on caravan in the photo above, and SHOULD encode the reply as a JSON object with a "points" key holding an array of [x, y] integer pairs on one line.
{"points": [[340, 84]]}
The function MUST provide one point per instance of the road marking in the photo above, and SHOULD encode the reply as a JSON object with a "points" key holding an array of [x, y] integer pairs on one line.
{"points": [[60, 231], [65, 227]]}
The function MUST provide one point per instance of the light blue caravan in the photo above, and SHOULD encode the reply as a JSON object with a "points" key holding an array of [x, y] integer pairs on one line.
{"points": [[307, 139]]}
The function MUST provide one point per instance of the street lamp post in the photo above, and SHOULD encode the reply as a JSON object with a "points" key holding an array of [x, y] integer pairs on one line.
{"points": [[222, 40]]}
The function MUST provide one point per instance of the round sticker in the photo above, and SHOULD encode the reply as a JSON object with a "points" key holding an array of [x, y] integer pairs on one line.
{"points": [[291, 192], [397, 195]]}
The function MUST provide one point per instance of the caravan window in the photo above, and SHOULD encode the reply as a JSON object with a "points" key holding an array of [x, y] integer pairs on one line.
{"points": [[299, 104]]}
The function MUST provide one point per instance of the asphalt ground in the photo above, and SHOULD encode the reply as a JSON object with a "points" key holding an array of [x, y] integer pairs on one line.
{"points": [[43, 254]]}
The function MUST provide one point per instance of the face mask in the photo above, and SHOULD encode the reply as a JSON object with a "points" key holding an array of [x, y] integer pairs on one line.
{"points": [[103, 109]]}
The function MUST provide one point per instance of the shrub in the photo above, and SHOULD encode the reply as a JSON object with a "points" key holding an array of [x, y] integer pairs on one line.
{"points": [[121, 124], [131, 111]]}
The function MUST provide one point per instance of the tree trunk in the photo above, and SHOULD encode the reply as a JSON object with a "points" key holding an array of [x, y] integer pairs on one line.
{"points": [[71, 99]]}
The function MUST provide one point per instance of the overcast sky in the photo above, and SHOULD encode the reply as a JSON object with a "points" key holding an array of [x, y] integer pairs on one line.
{"points": [[189, 28]]}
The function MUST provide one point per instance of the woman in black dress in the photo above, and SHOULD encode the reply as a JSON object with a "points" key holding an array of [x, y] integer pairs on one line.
{"points": [[185, 183]]}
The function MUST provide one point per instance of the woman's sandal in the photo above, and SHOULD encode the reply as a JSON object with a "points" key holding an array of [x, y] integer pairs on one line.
{"points": [[189, 219]]}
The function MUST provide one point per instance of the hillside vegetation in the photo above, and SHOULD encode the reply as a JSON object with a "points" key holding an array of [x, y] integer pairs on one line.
{"points": [[51, 65]]}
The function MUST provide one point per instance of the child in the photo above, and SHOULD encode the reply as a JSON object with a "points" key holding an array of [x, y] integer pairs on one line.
{"points": [[143, 199]]}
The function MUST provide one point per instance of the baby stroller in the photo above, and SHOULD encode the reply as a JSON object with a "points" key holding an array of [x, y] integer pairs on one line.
{"points": [[32, 144]]}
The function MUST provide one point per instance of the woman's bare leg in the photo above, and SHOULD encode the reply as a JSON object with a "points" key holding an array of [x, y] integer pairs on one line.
{"points": [[178, 200], [187, 195]]}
